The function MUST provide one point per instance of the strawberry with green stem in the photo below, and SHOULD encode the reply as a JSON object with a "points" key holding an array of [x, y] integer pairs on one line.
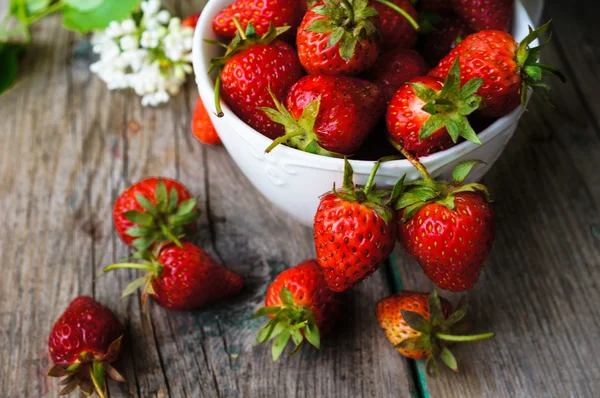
{"points": [[300, 306], [449, 228], [152, 211], [421, 326], [426, 115]]}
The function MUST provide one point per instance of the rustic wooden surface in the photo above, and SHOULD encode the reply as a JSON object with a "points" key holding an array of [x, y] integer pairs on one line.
{"points": [[68, 147]]}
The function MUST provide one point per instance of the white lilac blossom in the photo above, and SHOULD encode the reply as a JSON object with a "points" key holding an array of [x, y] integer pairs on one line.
{"points": [[151, 56]]}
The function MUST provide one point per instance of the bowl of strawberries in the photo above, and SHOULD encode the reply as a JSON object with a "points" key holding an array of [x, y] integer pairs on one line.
{"points": [[294, 88]]}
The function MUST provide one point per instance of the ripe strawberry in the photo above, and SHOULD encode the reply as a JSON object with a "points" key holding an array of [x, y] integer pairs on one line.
{"points": [[437, 6], [485, 14], [421, 325], [448, 228], [446, 35], [83, 343], [396, 67], [253, 66], [337, 37], [202, 126], [191, 21], [261, 14], [181, 278], [426, 115], [300, 306], [354, 231], [154, 210], [507, 68], [328, 115], [396, 25]]}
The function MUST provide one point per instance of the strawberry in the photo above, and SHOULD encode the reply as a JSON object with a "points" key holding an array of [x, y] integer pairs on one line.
{"points": [[396, 67], [354, 231], [154, 210], [181, 278], [437, 6], [300, 306], [485, 14], [422, 325], [202, 126], [83, 343], [448, 228], [338, 37], [426, 115], [328, 115], [443, 38], [191, 21], [507, 68], [396, 25], [261, 14], [251, 69]]}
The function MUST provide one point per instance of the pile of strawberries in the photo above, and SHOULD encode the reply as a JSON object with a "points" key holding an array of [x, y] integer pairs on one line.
{"points": [[320, 77]]}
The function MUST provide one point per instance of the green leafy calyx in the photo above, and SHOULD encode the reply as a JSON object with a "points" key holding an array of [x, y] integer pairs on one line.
{"points": [[532, 71], [347, 22], [163, 220], [436, 332], [89, 371], [450, 107], [289, 321]]}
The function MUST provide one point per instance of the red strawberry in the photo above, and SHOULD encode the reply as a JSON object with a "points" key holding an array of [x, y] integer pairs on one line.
{"points": [[485, 14], [396, 67], [191, 21], [354, 231], [437, 6], [251, 68], [338, 38], [83, 343], [300, 306], [507, 68], [397, 30], [181, 278], [444, 37], [421, 325], [154, 210], [426, 115], [202, 126], [328, 115], [448, 228], [261, 14]]}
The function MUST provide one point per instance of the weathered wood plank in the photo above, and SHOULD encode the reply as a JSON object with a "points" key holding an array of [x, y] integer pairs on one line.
{"points": [[539, 289]]}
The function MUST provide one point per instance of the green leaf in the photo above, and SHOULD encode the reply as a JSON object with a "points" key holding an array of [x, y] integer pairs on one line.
{"points": [[36, 6], [136, 232], [186, 206], [348, 46], [415, 343], [279, 344], [348, 177], [9, 64], [436, 316], [407, 199], [416, 321], [465, 130], [309, 115], [449, 359], [433, 124], [84, 5], [424, 92], [411, 210], [99, 17], [335, 36], [143, 243], [266, 311], [296, 336], [470, 88], [452, 83], [183, 219], [321, 26], [137, 217], [311, 332], [145, 203], [98, 375], [133, 286], [463, 169], [286, 296], [459, 313], [452, 128], [160, 193], [173, 199], [397, 191]]}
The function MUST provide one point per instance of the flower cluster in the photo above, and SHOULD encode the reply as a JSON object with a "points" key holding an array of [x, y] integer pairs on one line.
{"points": [[150, 54]]}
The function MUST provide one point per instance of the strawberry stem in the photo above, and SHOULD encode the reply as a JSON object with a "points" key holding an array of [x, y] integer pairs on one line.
{"points": [[218, 96], [369, 183], [414, 161], [239, 28], [401, 12], [450, 337], [284, 139], [146, 267], [97, 383]]}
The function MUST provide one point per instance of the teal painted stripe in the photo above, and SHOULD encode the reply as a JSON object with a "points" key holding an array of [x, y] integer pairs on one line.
{"points": [[417, 367]]}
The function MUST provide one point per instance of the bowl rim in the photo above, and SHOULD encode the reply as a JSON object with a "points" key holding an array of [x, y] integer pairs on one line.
{"points": [[205, 82]]}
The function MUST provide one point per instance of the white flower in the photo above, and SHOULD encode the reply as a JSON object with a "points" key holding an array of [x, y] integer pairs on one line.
{"points": [[114, 29], [150, 8], [129, 43], [149, 39], [174, 24], [163, 17], [128, 26]]}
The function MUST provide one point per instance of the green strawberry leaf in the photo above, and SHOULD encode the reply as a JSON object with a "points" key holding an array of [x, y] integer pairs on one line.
{"points": [[98, 17], [83, 5], [416, 321], [286, 296], [9, 64], [137, 217], [463, 169], [311, 332], [133, 286], [449, 359], [415, 343], [160, 193], [146, 204], [266, 311], [279, 344]]}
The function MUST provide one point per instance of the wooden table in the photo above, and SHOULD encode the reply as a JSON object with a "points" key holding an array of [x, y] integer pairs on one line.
{"points": [[69, 146]]}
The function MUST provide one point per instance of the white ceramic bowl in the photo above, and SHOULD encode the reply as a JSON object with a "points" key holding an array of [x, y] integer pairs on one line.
{"points": [[293, 180]]}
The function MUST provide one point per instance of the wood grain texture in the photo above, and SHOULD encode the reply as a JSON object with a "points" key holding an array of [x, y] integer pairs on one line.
{"points": [[69, 147], [539, 290]]}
